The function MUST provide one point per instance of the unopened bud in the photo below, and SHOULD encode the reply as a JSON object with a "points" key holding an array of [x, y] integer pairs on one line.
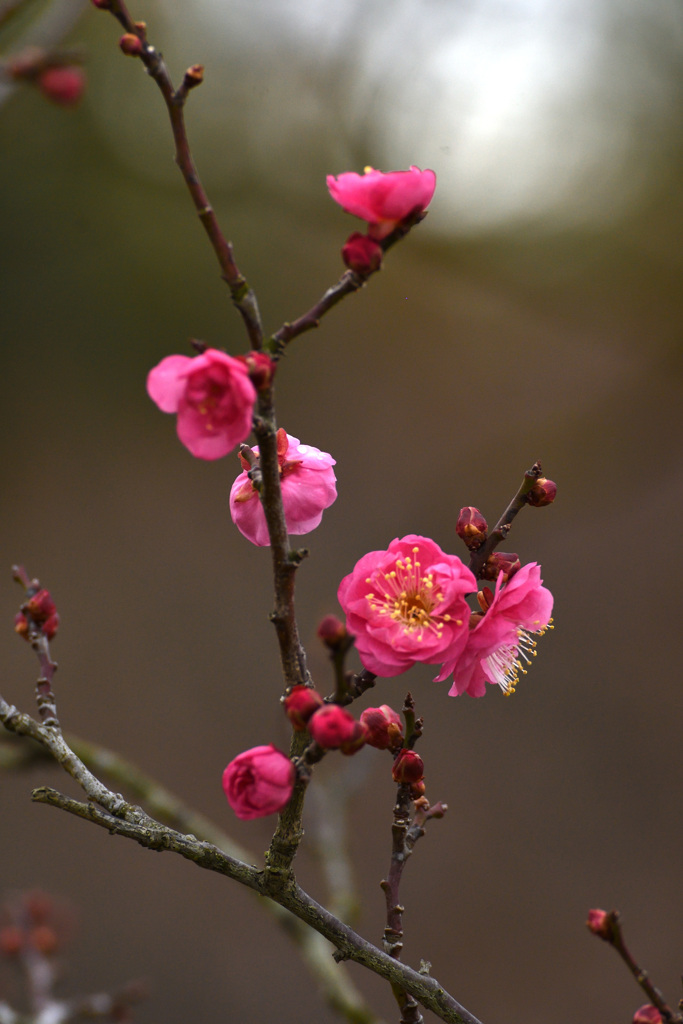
{"points": [[131, 45], [408, 768], [357, 740], [194, 76], [601, 923], [50, 626], [501, 561], [384, 727], [332, 632], [102, 5], [418, 790], [299, 704], [63, 85], [647, 1014], [542, 493], [260, 366], [471, 527], [362, 254], [333, 727], [41, 606]]}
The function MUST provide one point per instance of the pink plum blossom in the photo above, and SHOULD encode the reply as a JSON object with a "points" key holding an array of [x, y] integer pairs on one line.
{"points": [[501, 635], [213, 397], [258, 782], [308, 487], [406, 605], [383, 200]]}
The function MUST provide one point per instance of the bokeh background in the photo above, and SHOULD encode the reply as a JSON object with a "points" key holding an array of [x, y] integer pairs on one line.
{"points": [[536, 314]]}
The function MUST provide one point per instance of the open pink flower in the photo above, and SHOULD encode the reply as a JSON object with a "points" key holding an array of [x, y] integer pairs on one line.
{"points": [[308, 487], [213, 397], [502, 635], [383, 200], [258, 782], [407, 605]]}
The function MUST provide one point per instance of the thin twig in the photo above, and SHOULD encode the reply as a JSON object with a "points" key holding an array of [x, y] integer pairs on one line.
{"points": [[242, 295], [348, 283], [502, 527]]}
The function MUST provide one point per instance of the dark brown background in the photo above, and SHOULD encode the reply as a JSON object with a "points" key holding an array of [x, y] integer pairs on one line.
{"points": [[548, 336]]}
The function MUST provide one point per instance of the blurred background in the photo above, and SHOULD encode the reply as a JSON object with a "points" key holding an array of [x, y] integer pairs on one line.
{"points": [[536, 314]]}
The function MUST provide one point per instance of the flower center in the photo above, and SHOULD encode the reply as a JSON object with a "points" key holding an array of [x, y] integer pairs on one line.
{"points": [[408, 597], [508, 662]]}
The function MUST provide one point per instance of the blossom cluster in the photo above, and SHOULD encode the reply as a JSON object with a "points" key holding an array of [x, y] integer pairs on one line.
{"points": [[407, 605]]}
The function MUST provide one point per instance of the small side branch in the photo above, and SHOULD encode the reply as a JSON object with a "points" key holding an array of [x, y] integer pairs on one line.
{"points": [[504, 524], [242, 296]]}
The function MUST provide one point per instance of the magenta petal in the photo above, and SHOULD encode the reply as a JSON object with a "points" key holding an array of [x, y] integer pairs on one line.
{"points": [[167, 381]]}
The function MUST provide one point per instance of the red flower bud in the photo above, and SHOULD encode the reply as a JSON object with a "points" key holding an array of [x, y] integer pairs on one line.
{"points": [[647, 1014], [131, 44], [501, 561], [63, 85], [357, 741], [601, 923], [260, 366], [41, 606], [418, 790], [408, 768], [50, 626], [384, 727], [542, 493], [333, 727], [299, 704], [361, 253], [471, 527], [332, 632]]}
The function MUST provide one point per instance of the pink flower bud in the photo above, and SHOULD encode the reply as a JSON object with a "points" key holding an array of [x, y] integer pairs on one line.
{"points": [[471, 527], [361, 254], [258, 782], [333, 727], [130, 44], [408, 768], [332, 632], [600, 923], [213, 397], [542, 493], [501, 561], [308, 487], [383, 200], [647, 1014], [299, 704], [384, 727], [260, 366], [63, 85]]}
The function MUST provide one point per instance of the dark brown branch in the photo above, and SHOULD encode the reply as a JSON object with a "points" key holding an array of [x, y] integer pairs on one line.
{"points": [[242, 295], [502, 527]]}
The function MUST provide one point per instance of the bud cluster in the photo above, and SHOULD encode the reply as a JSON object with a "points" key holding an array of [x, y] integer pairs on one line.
{"points": [[40, 612]]}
